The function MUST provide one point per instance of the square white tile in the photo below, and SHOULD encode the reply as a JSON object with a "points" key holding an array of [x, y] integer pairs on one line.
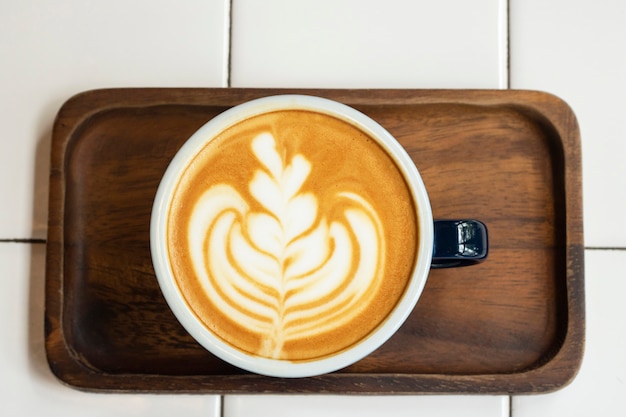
{"points": [[575, 49], [600, 385], [369, 44], [28, 388], [366, 406], [52, 50]]}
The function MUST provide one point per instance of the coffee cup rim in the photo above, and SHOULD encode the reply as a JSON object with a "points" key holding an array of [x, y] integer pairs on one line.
{"points": [[276, 367]]}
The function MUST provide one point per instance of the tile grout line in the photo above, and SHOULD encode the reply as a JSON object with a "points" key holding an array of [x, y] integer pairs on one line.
{"points": [[228, 47], [32, 241]]}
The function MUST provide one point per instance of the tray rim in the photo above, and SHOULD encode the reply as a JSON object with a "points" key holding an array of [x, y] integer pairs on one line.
{"points": [[67, 366]]}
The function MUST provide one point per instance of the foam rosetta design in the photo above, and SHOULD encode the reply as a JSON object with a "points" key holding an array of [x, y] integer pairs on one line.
{"points": [[277, 265]]}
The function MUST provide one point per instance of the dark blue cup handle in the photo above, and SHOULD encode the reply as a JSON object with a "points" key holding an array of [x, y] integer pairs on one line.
{"points": [[459, 243]]}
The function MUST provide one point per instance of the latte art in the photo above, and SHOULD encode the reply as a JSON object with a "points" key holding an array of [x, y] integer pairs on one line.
{"points": [[291, 235], [287, 271]]}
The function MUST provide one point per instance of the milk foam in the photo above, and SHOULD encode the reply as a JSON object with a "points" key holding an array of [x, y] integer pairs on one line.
{"points": [[285, 270]]}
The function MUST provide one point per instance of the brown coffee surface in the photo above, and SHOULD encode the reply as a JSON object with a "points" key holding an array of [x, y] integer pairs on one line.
{"points": [[292, 235]]}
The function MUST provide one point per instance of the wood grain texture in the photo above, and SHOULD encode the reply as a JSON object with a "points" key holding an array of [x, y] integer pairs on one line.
{"points": [[514, 324]]}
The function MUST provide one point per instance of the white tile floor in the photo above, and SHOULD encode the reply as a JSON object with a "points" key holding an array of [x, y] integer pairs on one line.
{"points": [[342, 406], [367, 44], [52, 50]]}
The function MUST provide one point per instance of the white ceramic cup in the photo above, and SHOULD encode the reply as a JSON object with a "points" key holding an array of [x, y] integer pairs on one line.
{"points": [[273, 367]]}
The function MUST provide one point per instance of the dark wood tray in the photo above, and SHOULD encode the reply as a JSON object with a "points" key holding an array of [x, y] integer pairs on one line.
{"points": [[514, 324]]}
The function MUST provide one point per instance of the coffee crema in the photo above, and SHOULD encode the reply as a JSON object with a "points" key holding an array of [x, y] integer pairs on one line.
{"points": [[292, 235]]}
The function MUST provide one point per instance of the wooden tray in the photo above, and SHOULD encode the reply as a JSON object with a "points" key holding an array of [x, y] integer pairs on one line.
{"points": [[514, 324]]}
